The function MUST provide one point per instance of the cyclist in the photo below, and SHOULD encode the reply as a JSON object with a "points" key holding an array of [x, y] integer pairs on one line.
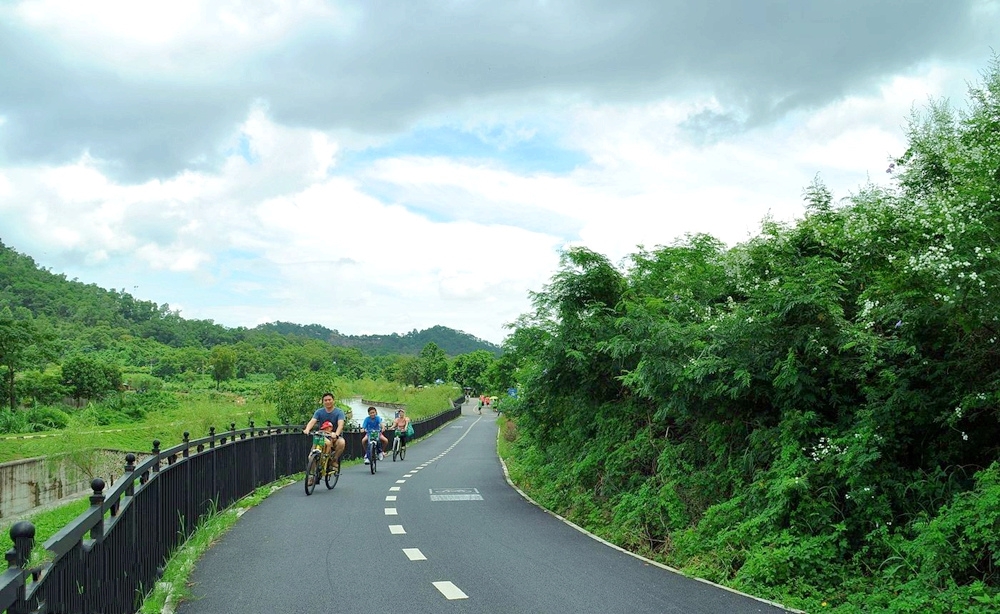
{"points": [[399, 425], [373, 424], [335, 416]]}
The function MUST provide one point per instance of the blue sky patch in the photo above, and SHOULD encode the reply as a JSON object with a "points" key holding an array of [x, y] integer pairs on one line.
{"points": [[242, 149], [538, 153]]}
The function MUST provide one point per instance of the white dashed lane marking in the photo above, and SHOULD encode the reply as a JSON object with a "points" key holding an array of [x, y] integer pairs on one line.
{"points": [[391, 511], [401, 481], [394, 489], [450, 591], [397, 529], [414, 554], [390, 497]]}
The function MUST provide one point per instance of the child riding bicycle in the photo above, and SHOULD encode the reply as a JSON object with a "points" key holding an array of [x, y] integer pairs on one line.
{"points": [[373, 426]]}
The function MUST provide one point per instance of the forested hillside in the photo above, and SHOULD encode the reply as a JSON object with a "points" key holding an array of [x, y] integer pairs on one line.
{"points": [[453, 342], [44, 293], [811, 415], [62, 338]]}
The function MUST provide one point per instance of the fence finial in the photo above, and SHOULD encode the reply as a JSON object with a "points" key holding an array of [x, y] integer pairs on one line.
{"points": [[23, 536], [156, 453], [97, 499]]}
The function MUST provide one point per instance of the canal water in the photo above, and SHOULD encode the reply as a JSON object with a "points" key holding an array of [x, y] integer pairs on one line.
{"points": [[359, 411]]}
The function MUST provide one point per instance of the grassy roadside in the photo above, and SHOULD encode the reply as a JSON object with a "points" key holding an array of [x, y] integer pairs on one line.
{"points": [[196, 413], [47, 524]]}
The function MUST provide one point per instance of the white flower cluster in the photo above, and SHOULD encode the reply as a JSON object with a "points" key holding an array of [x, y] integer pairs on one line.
{"points": [[823, 449]]}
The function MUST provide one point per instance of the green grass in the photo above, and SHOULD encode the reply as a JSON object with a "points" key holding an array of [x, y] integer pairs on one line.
{"points": [[47, 524], [197, 411]]}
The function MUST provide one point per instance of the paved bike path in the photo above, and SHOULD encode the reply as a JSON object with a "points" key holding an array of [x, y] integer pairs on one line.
{"points": [[479, 547]]}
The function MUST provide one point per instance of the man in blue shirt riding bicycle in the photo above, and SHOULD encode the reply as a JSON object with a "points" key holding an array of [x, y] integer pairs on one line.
{"points": [[329, 413]]}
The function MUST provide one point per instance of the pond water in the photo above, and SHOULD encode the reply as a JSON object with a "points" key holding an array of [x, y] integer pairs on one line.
{"points": [[359, 411]]}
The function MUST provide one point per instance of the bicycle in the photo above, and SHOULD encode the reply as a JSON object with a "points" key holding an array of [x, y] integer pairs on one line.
{"points": [[373, 437], [318, 466], [398, 447]]}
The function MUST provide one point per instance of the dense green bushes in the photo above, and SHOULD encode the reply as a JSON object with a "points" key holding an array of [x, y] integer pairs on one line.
{"points": [[34, 419], [811, 415]]}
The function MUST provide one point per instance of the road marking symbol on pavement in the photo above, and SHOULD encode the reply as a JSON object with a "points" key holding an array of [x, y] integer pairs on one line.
{"points": [[394, 489], [449, 590], [391, 511], [401, 481], [390, 497], [455, 494], [408, 475], [397, 529], [414, 554]]}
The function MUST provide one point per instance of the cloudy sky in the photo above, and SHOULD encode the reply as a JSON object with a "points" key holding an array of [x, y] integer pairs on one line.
{"points": [[380, 167]]}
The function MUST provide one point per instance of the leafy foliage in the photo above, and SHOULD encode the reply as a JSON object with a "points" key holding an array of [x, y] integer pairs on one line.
{"points": [[811, 415]]}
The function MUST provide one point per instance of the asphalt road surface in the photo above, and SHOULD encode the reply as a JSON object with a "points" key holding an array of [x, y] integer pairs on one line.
{"points": [[441, 531]]}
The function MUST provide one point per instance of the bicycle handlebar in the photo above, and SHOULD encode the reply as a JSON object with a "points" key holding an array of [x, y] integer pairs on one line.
{"points": [[319, 433]]}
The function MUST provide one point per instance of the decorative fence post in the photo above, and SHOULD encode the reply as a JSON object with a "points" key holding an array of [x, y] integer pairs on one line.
{"points": [[129, 470], [97, 500], [17, 574], [156, 453]]}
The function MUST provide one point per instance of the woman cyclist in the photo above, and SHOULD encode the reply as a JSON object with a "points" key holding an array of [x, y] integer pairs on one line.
{"points": [[400, 425]]}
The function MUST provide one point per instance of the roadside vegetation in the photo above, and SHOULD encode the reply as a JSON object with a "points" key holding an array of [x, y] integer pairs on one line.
{"points": [[810, 416]]}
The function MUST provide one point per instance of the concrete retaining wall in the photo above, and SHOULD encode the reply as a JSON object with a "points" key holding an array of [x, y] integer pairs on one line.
{"points": [[35, 482]]}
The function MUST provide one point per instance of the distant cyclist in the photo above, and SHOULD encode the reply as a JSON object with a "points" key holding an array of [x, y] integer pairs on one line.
{"points": [[400, 425], [329, 413], [371, 425]]}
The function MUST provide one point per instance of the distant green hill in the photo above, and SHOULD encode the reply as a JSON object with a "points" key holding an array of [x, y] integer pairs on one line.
{"points": [[74, 307], [453, 342]]}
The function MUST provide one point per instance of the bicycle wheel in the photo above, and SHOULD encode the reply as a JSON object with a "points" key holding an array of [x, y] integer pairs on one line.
{"points": [[395, 448], [372, 455], [331, 479], [312, 474], [402, 452]]}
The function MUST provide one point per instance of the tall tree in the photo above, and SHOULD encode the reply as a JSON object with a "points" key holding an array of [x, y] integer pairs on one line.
{"points": [[468, 370], [223, 363], [433, 363], [22, 344], [89, 377]]}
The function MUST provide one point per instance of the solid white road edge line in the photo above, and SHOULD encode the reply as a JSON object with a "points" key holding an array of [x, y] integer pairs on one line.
{"points": [[506, 476]]}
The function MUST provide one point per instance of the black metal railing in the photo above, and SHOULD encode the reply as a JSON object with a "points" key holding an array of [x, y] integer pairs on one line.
{"points": [[108, 558]]}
